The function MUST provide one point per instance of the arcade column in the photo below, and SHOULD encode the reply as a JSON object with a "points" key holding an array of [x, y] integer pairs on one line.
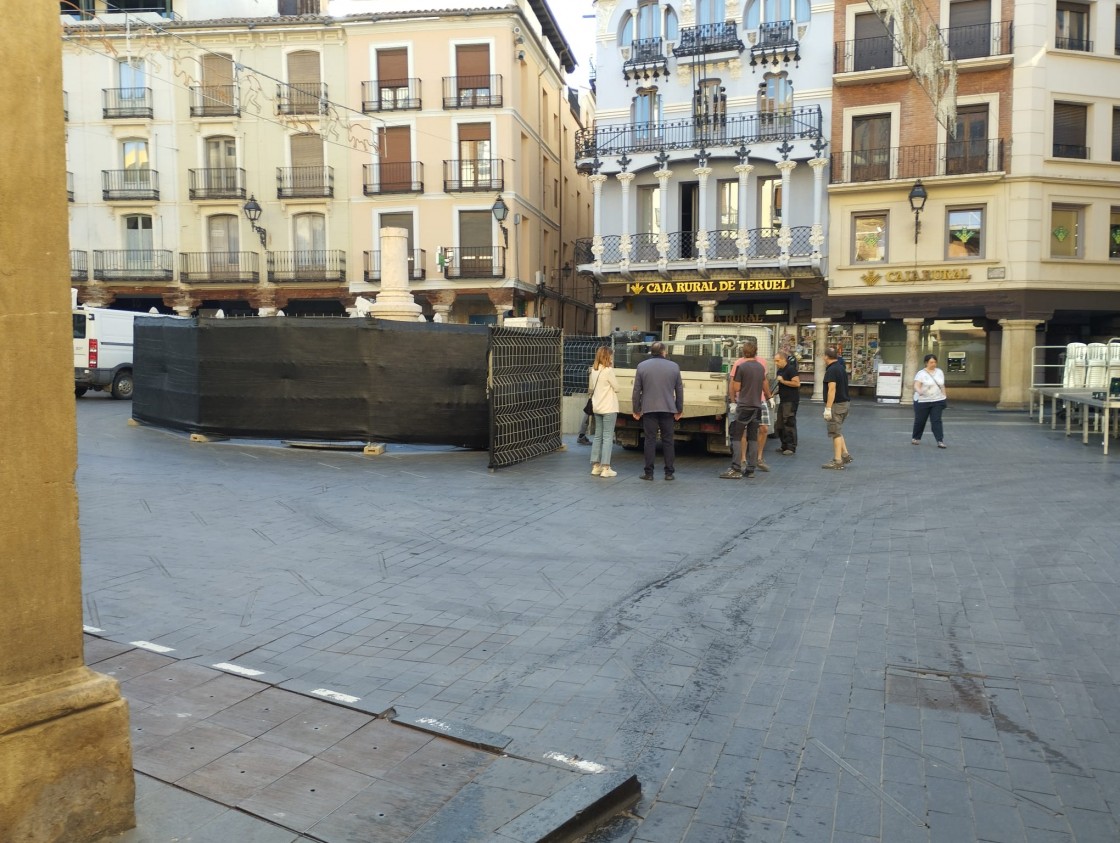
{"points": [[65, 760], [1015, 363]]}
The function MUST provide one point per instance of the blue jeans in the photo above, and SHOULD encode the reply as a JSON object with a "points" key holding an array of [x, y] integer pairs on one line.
{"points": [[932, 411], [603, 439]]}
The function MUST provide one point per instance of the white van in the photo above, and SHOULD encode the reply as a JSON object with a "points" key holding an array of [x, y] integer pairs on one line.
{"points": [[103, 350]]}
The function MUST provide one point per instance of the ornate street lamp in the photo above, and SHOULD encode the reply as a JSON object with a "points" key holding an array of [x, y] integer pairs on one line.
{"points": [[500, 212], [252, 211], [917, 199]]}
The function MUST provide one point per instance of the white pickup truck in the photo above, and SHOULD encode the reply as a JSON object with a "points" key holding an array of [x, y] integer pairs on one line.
{"points": [[705, 353]]}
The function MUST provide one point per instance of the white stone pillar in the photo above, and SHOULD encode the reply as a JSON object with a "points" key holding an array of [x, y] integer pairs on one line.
{"points": [[501, 309], [441, 312], [663, 177], [913, 348], [785, 236], [1015, 363], [816, 234], [702, 174], [603, 311], [394, 301], [820, 343], [597, 218], [625, 240], [744, 241], [708, 311], [183, 309]]}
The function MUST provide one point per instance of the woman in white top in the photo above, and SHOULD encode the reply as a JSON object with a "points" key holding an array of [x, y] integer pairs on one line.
{"points": [[603, 386], [929, 401]]}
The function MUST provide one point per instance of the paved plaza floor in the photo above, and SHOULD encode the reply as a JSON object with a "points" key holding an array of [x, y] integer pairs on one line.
{"points": [[922, 647]]}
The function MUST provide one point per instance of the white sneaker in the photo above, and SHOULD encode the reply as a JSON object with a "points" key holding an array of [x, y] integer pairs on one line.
{"points": [[607, 472], [596, 469]]}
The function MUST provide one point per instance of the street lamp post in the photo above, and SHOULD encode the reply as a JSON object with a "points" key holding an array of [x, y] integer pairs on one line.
{"points": [[500, 211], [252, 211], [917, 199]]}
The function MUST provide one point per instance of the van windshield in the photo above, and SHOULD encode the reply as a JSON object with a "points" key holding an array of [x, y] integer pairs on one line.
{"points": [[79, 326]]}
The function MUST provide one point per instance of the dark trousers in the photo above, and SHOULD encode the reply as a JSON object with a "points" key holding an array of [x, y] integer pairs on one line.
{"points": [[932, 411], [786, 426], [652, 424], [746, 421]]}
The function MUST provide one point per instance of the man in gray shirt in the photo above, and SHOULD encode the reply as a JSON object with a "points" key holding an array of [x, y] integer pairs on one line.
{"points": [[659, 402]]}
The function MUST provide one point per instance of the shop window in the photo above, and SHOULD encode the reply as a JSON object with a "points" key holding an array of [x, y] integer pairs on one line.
{"points": [[965, 229], [1114, 234], [1065, 232], [869, 238]]}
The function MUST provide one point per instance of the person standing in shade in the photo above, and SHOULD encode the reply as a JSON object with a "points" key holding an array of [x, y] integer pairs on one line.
{"points": [[603, 388], [658, 400], [789, 396], [929, 401], [836, 407], [748, 391]]}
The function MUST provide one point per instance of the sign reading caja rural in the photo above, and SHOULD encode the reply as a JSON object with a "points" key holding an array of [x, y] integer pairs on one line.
{"points": [[729, 285]]}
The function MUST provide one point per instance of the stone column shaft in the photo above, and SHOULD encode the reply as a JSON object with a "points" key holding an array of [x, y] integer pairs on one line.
{"points": [[913, 352], [821, 342], [708, 310], [603, 311], [394, 301], [1015, 362]]}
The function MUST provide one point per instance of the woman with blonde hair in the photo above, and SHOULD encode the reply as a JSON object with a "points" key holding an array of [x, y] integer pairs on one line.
{"points": [[603, 388]]}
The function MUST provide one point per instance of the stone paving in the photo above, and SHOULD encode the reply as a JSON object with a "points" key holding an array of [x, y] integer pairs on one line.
{"points": [[919, 648]]}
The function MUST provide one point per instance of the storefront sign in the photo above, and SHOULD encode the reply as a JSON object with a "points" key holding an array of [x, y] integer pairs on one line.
{"points": [[730, 285], [913, 275]]}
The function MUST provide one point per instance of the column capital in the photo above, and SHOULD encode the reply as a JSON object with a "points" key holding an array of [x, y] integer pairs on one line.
{"points": [[1020, 324], [744, 169], [821, 320], [604, 306], [818, 164], [625, 178], [597, 179], [702, 171], [914, 321], [662, 175], [785, 166]]}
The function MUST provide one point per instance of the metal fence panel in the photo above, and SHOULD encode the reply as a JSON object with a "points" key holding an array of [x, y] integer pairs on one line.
{"points": [[524, 382], [579, 354]]}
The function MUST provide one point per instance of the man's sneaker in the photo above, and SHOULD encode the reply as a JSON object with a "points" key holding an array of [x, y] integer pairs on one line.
{"points": [[648, 475], [786, 452], [669, 476], [833, 464], [596, 470], [749, 474], [608, 472], [763, 466], [731, 474], [847, 458], [583, 440]]}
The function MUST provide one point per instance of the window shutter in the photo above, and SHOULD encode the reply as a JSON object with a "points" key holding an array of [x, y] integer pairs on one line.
{"points": [[472, 60], [1069, 124], [475, 229], [474, 132], [307, 150], [392, 66], [868, 25], [303, 68], [970, 13], [217, 70], [1116, 131]]}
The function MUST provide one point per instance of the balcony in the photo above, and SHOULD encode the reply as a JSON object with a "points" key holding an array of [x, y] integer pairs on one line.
{"points": [[473, 262], [485, 174], [307, 265], [137, 183], [304, 182], [417, 259], [221, 183], [776, 43], [79, 266], [126, 103], [215, 101], [391, 95], [979, 41], [709, 38], [300, 97], [913, 162], [69, 186], [1069, 150], [865, 54], [762, 247], [133, 265], [219, 267], [472, 91], [645, 58], [754, 127], [393, 177], [1079, 44]]}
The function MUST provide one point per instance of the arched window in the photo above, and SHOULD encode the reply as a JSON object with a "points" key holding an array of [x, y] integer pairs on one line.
{"points": [[710, 11], [775, 94], [646, 115], [773, 11], [222, 232]]}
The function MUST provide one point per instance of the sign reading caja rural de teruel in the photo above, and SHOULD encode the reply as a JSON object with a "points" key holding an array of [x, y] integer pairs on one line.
{"points": [[728, 285]]}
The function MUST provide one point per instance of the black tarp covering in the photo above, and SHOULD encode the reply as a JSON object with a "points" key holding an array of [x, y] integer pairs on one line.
{"points": [[327, 379]]}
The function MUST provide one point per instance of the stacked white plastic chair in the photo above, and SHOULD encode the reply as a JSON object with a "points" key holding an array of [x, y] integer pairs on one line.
{"points": [[1113, 370], [1074, 377], [1096, 366]]}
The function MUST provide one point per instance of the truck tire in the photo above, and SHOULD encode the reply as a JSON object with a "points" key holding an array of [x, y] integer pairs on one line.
{"points": [[122, 385], [79, 391], [717, 444]]}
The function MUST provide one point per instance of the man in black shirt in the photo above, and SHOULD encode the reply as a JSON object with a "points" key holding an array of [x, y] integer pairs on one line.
{"points": [[789, 394], [836, 406]]}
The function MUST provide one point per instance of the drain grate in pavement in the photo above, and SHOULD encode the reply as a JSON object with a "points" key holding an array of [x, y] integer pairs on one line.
{"points": [[937, 689]]}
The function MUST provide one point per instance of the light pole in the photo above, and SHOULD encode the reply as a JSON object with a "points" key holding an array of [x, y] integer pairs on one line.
{"points": [[500, 212], [252, 211], [917, 199]]}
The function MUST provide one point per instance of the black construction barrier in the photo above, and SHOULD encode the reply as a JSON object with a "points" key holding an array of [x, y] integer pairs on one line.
{"points": [[325, 379], [526, 380]]}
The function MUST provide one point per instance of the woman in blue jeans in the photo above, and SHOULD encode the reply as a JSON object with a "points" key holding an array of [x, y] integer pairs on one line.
{"points": [[603, 388], [929, 401]]}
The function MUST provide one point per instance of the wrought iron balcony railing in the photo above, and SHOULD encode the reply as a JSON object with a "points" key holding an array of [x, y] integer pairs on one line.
{"points": [[762, 245], [221, 183], [1079, 44], [134, 103], [709, 38], [644, 50], [304, 182], [69, 186], [79, 265], [778, 33], [307, 265], [301, 97], [980, 40], [473, 262], [865, 54], [913, 162], [393, 177], [472, 91], [391, 95], [483, 174], [1071, 150], [219, 267], [215, 101], [133, 265], [732, 130], [417, 260], [129, 184]]}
